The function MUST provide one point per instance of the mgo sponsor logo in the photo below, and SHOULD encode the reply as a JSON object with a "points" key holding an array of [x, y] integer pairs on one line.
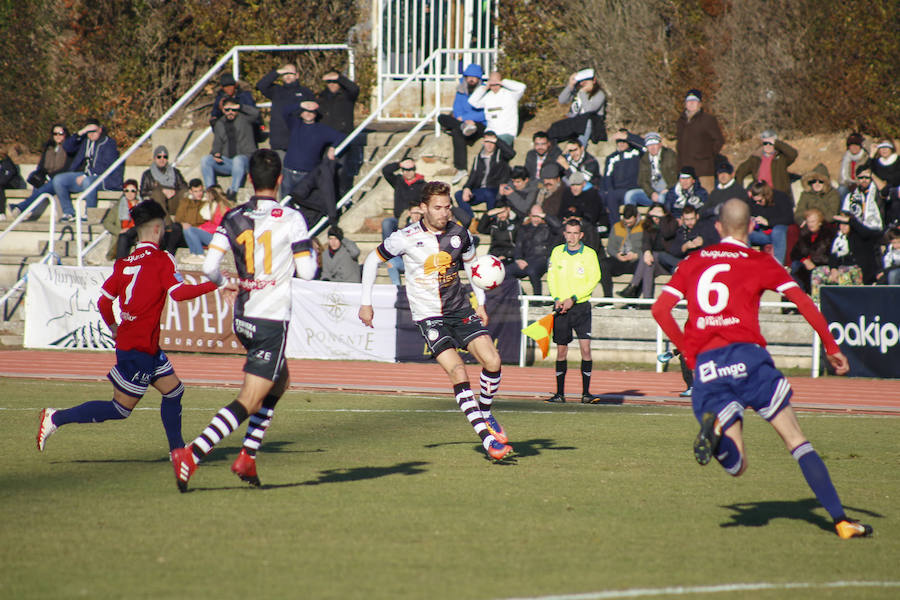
{"points": [[862, 333], [709, 371]]}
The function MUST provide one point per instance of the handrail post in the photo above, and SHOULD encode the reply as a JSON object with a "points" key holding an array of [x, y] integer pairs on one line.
{"points": [[523, 339]]}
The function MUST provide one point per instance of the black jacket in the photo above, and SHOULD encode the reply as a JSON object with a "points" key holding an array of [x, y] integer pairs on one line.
{"points": [[531, 160], [281, 95], [498, 171], [337, 108], [502, 233], [534, 242], [405, 194]]}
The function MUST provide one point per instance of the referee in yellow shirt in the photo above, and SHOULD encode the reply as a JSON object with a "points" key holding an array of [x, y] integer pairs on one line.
{"points": [[572, 275]]}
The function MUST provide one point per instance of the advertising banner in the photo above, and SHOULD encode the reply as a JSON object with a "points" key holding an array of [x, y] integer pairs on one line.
{"points": [[865, 322], [199, 325]]}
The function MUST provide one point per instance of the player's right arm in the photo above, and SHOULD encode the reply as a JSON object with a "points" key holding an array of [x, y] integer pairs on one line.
{"points": [[817, 320], [215, 252], [392, 246], [672, 293]]}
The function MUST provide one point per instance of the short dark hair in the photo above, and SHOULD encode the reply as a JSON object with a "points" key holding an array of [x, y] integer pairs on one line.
{"points": [[629, 211], [540, 134], [195, 182], [146, 211], [336, 232], [574, 221], [432, 189], [128, 182], [231, 100], [688, 209], [574, 140], [518, 172], [265, 167], [893, 234]]}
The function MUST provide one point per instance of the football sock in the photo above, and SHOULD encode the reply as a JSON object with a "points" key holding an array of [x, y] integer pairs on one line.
{"points": [[728, 455], [170, 413], [561, 367], [226, 420], [816, 474], [95, 411], [586, 366], [465, 399], [259, 423], [490, 382]]}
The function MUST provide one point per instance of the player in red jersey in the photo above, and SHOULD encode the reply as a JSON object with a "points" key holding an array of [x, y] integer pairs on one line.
{"points": [[723, 284], [141, 282]]}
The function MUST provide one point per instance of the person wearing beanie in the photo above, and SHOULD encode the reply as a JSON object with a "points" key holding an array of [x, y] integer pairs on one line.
{"points": [[886, 168], [162, 182], [340, 258], [658, 169], [769, 163], [229, 90], [699, 137], [855, 156], [466, 123]]}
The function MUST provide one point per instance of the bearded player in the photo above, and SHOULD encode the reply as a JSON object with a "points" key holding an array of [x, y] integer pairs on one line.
{"points": [[722, 342], [434, 250]]}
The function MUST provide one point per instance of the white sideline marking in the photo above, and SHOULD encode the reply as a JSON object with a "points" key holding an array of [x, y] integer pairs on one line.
{"points": [[710, 589]]}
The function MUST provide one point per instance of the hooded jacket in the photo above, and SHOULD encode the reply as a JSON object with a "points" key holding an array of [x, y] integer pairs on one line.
{"points": [[828, 200]]}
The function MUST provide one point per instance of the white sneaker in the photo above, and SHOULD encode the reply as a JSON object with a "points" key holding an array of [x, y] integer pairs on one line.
{"points": [[47, 427], [460, 175]]}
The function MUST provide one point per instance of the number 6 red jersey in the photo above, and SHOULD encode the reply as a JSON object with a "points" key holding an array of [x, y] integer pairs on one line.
{"points": [[723, 285]]}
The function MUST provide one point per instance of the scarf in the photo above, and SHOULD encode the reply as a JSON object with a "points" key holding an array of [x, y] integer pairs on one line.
{"points": [[840, 247], [164, 178], [864, 206]]}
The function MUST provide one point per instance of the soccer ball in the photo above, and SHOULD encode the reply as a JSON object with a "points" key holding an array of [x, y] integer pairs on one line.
{"points": [[487, 272]]}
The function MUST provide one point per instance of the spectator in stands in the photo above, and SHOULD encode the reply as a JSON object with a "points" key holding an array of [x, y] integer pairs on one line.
{"points": [[770, 163], [288, 93], [537, 236], [339, 260], [10, 179], [173, 236], [233, 143], [623, 249], [885, 168], [489, 169], [699, 139], [657, 171], [848, 250], [543, 150], [164, 183], [54, 159], [520, 193], [214, 206], [315, 196], [659, 230], [727, 188], [188, 215], [890, 275], [812, 248], [500, 224], [550, 195], [465, 124], [499, 98], [93, 153], [586, 118], [620, 172], [692, 234], [576, 159], [866, 220], [230, 91], [854, 157], [408, 185], [337, 103], [309, 142], [585, 204], [687, 192], [772, 212], [817, 193], [118, 219]]}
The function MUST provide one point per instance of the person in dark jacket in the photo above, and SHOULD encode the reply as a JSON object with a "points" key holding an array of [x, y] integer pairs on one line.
{"points": [[772, 212], [658, 170], [687, 192], [229, 90], [233, 144], [812, 248], [310, 143], [408, 186], [54, 159], [94, 152], [489, 169], [770, 163], [700, 139], [585, 204], [727, 188], [537, 236], [851, 257], [620, 172], [337, 103], [659, 230], [692, 234], [500, 225], [288, 93], [520, 193], [10, 179], [542, 152], [466, 124], [576, 159]]}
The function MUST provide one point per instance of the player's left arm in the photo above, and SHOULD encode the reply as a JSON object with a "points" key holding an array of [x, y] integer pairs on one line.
{"points": [[817, 320], [178, 290]]}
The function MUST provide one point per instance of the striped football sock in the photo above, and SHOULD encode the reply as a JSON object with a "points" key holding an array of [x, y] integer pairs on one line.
{"points": [[490, 382], [465, 399], [259, 424], [226, 420]]}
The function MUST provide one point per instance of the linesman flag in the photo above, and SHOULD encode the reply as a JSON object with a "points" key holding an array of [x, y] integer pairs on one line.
{"points": [[540, 331]]}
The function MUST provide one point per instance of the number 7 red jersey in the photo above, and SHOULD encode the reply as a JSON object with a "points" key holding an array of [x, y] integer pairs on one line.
{"points": [[723, 285]]}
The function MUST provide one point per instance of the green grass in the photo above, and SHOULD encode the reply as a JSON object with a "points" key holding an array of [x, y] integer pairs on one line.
{"points": [[391, 497]]}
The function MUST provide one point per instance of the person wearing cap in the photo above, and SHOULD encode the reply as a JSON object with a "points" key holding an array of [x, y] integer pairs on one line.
{"points": [[289, 92], [520, 193], [536, 237], [309, 144], [886, 169], [855, 156], [489, 169], [687, 191], [657, 170], [586, 118], [499, 98], [162, 182], [465, 124], [233, 143], [340, 258], [817, 193], [620, 172], [542, 150], [229, 89], [699, 137], [769, 163], [550, 194], [586, 204], [575, 159], [501, 225]]}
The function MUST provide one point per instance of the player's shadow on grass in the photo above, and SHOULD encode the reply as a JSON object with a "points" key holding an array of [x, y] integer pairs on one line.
{"points": [[521, 448], [759, 514], [229, 454]]}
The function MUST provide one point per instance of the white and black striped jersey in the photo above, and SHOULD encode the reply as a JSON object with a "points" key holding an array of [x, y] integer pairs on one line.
{"points": [[433, 262], [265, 238]]}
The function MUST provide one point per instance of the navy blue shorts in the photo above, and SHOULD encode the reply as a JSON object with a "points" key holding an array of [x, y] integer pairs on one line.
{"points": [[265, 341], [730, 379], [455, 330], [136, 370]]}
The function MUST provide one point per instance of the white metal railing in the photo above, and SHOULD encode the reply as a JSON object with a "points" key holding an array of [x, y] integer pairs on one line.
{"points": [[51, 235], [525, 300]]}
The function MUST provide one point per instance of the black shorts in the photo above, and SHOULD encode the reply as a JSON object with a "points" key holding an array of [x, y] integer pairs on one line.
{"points": [[265, 342], [455, 330], [577, 318]]}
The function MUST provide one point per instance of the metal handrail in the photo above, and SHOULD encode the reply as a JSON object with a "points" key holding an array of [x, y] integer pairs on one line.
{"points": [[51, 234]]}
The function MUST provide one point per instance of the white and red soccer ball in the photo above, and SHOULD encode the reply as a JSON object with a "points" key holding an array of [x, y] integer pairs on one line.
{"points": [[487, 272]]}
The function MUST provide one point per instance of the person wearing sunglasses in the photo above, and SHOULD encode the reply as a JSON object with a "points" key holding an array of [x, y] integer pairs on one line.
{"points": [[817, 193], [769, 163], [162, 182], [233, 143], [54, 159], [118, 219]]}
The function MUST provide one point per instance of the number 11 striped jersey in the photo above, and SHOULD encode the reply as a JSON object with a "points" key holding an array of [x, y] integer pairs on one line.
{"points": [[264, 238]]}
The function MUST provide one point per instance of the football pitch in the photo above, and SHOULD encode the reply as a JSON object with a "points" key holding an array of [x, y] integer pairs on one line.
{"points": [[371, 497]]}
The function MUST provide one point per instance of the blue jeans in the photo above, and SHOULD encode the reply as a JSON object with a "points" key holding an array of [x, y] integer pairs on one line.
{"points": [[236, 167], [47, 188], [290, 178], [196, 238], [637, 196], [479, 195], [66, 183], [778, 239]]}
